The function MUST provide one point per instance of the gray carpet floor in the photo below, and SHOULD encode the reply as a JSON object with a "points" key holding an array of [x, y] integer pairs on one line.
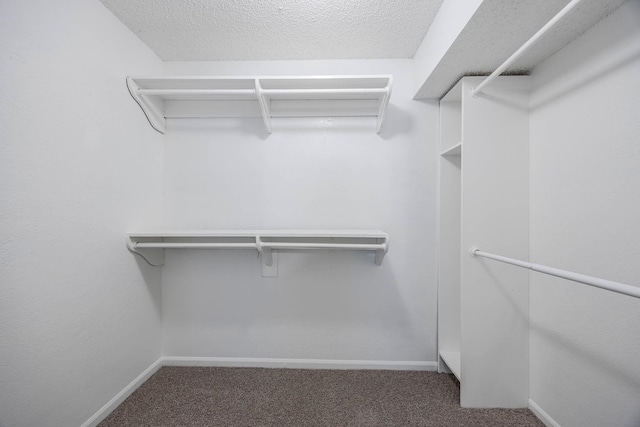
{"points": [[179, 396]]}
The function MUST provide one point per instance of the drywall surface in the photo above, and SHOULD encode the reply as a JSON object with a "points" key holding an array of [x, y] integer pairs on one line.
{"points": [[204, 30], [316, 173], [585, 217], [79, 165]]}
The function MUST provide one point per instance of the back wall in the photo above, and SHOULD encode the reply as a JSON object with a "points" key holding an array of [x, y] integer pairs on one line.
{"points": [[317, 173]]}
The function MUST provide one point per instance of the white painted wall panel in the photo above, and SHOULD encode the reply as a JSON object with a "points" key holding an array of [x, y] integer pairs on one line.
{"points": [[79, 165], [494, 296], [309, 173], [585, 205]]}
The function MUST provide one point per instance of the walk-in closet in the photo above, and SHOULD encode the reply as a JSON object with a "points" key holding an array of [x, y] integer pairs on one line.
{"points": [[319, 213]]}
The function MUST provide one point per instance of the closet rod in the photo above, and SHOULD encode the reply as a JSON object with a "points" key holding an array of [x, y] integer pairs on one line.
{"points": [[621, 288], [347, 246], [356, 91], [268, 245], [541, 32], [192, 245], [178, 92]]}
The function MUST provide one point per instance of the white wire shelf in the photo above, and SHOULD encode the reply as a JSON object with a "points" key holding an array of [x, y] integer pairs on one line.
{"points": [[267, 97], [151, 245]]}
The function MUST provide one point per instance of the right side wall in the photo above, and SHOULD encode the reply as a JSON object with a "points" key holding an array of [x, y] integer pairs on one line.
{"points": [[585, 217]]}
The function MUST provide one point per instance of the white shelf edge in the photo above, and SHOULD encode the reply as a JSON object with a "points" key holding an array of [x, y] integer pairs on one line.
{"points": [[150, 245], [452, 359], [266, 78], [456, 150], [262, 232], [345, 89]]}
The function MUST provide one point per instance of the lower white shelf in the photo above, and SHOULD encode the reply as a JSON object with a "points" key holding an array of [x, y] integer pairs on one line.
{"points": [[452, 359], [151, 245]]}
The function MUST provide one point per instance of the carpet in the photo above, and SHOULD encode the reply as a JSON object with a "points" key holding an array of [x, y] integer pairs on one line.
{"points": [[195, 396]]}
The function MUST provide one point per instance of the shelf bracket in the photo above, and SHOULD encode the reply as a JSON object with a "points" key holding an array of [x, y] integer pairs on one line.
{"points": [[153, 257], [380, 253], [383, 105], [152, 111], [264, 106], [268, 258]]}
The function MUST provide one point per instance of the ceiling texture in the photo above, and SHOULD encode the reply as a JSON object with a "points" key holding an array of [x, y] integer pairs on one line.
{"points": [[214, 30], [236, 30]]}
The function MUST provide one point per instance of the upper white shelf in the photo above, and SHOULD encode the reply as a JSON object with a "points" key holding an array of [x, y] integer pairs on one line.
{"points": [[147, 244], [266, 97]]}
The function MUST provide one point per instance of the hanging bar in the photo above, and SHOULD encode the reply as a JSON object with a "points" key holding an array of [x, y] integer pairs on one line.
{"points": [[192, 245], [186, 92], [328, 92], [541, 32], [621, 288], [344, 246]]}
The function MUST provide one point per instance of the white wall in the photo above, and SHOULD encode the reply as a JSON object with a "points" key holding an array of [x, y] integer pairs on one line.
{"points": [[308, 174], [585, 217], [79, 165]]}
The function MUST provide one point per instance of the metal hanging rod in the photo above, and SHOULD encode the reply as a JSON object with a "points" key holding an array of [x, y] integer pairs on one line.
{"points": [[541, 32], [621, 288], [260, 243], [248, 92], [192, 245], [355, 91]]}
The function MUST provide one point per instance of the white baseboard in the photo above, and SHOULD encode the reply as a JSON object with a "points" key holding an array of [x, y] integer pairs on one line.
{"points": [[299, 363], [542, 415], [120, 397]]}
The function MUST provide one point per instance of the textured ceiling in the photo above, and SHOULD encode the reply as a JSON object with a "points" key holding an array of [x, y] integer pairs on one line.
{"points": [[500, 27], [212, 30]]}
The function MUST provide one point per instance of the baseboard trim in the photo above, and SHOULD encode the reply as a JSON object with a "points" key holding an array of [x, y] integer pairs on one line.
{"points": [[299, 363], [120, 397], [542, 415]]}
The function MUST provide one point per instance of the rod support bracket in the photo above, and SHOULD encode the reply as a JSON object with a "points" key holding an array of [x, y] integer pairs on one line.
{"points": [[473, 250], [265, 253], [153, 257]]}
